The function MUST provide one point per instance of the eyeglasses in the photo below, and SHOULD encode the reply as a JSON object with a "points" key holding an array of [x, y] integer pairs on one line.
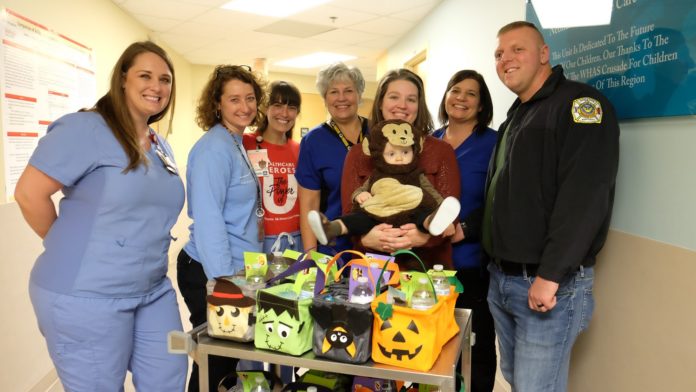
{"points": [[231, 69]]}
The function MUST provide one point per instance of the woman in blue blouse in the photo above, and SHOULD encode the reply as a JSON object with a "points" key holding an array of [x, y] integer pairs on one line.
{"points": [[224, 198], [99, 289], [466, 110]]}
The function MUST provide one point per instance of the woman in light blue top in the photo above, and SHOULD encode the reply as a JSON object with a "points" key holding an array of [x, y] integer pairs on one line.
{"points": [[223, 196], [99, 290]]}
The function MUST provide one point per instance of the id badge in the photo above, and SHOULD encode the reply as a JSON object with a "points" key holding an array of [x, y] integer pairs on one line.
{"points": [[260, 222], [166, 161], [259, 161]]}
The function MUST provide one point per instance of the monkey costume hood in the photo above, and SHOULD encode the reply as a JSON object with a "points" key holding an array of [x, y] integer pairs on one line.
{"points": [[396, 189]]}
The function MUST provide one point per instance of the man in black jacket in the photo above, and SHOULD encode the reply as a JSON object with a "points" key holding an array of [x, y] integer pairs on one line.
{"points": [[549, 197]]}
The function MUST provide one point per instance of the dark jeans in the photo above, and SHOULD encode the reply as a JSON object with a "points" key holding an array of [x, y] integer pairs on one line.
{"points": [[483, 356], [191, 279]]}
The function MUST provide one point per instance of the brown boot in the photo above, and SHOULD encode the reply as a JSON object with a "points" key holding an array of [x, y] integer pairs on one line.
{"points": [[324, 229]]}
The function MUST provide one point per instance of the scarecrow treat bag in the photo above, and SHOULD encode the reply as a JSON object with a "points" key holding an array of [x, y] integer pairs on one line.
{"points": [[231, 314]]}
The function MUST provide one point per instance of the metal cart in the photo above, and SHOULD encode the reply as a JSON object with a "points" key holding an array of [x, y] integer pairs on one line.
{"points": [[199, 345]]}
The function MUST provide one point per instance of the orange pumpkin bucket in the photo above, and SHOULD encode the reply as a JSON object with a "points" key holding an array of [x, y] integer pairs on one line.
{"points": [[412, 338]]}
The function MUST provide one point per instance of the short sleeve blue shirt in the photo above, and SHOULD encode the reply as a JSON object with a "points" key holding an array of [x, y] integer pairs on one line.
{"points": [[473, 156], [111, 237], [320, 167]]}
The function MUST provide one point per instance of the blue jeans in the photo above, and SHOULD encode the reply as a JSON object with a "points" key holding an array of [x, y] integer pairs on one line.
{"points": [[535, 347]]}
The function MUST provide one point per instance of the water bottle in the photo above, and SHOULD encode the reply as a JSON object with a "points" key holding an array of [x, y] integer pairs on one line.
{"points": [[440, 281], [255, 276], [362, 292], [277, 263], [388, 386], [288, 294], [422, 298], [307, 290], [259, 385]]}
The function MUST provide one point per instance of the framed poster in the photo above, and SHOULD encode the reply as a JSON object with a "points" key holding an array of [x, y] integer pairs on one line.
{"points": [[43, 75], [643, 61]]}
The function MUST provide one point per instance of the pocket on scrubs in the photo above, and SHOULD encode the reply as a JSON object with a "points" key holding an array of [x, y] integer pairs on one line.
{"points": [[120, 267], [245, 178]]}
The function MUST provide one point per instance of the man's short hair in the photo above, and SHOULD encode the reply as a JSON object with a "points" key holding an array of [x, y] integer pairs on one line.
{"points": [[519, 24]]}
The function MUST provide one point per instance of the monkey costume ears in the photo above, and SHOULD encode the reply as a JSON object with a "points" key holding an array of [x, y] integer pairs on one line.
{"points": [[366, 146], [394, 132]]}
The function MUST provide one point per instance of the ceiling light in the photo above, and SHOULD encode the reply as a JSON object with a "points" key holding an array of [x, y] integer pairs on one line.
{"points": [[314, 60], [276, 8], [556, 14]]}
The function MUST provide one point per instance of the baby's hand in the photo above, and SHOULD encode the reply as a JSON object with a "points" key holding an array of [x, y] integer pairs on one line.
{"points": [[449, 231], [362, 197]]}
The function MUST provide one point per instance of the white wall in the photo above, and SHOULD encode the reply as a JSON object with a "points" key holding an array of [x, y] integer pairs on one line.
{"points": [[459, 34], [656, 184]]}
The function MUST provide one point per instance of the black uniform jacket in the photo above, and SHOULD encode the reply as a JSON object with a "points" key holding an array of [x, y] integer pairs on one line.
{"points": [[555, 191]]}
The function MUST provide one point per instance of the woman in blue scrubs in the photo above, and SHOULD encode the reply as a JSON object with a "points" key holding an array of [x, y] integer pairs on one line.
{"points": [[465, 111], [224, 196], [99, 289]]}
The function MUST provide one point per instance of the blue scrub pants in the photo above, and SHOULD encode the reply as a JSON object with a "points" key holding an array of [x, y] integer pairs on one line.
{"points": [[93, 341]]}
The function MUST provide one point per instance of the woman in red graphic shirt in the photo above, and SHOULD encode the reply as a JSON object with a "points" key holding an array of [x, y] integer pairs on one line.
{"points": [[273, 154]]}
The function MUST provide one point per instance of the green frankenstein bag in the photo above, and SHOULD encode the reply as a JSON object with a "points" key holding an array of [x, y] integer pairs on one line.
{"points": [[282, 324]]}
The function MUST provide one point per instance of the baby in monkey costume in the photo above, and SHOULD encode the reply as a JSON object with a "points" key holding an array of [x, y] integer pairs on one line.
{"points": [[397, 192]]}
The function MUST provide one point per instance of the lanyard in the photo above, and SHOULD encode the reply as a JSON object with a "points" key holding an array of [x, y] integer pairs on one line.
{"points": [[332, 124], [166, 161], [259, 203]]}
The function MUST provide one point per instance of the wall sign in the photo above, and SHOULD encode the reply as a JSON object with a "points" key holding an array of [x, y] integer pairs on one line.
{"points": [[43, 75], [643, 61]]}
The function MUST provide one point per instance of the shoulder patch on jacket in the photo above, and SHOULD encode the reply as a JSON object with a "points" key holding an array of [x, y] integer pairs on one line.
{"points": [[586, 110]]}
